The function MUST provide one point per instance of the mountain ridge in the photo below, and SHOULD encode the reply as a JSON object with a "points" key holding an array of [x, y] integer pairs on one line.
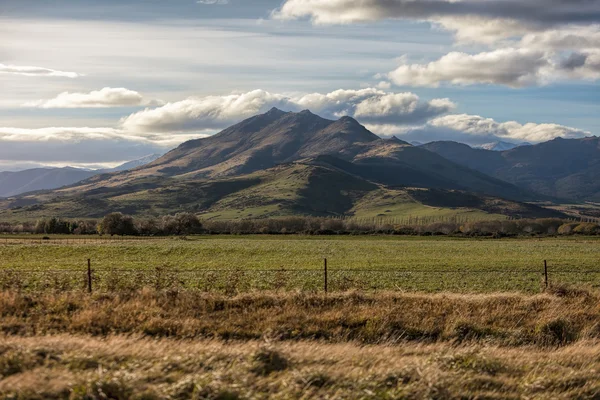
{"points": [[560, 168], [284, 163], [14, 183]]}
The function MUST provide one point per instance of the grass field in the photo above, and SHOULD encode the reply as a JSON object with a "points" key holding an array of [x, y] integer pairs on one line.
{"points": [[184, 345], [205, 332], [84, 368], [374, 262]]}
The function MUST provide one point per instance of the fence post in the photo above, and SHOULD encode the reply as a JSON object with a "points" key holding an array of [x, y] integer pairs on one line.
{"points": [[89, 276], [546, 273], [325, 275]]}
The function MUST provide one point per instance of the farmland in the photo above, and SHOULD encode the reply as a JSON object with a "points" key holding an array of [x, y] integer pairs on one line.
{"points": [[245, 317], [429, 264]]}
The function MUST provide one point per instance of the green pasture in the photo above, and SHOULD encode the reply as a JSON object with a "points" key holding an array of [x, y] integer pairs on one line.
{"points": [[296, 262]]}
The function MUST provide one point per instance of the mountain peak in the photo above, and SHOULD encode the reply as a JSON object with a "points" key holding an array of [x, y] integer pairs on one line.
{"points": [[348, 119], [275, 112]]}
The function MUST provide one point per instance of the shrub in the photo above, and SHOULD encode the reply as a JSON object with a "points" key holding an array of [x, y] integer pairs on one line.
{"points": [[587, 228], [566, 229], [117, 224], [179, 224]]}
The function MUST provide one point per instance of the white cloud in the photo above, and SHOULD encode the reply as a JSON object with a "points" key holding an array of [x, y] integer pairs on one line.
{"points": [[531, 11], [566, 39], [476, 129], [401, 108], [81, 134], [474, 29], [529, 40], [213, 112], [511, 67], [80, 145], [106, 97], [35, 71]]}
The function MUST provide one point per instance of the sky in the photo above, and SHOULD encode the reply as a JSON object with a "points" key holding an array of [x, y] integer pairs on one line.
{"points": [[96, 83]]}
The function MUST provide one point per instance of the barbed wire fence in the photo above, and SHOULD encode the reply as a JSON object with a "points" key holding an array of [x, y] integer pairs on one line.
{"points": [[91, 278]]}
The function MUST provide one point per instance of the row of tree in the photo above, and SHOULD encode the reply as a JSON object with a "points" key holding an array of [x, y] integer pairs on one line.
{"points": [[189, 224]]}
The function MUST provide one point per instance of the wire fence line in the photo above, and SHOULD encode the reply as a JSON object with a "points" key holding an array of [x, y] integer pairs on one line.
{"points": [[325, 279], [67, 240]]}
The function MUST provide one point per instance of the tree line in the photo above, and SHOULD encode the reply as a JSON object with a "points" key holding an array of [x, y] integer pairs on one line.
{"points": [[189, 224]]}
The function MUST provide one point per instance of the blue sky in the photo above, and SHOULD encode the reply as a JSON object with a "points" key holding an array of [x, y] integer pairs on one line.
{"points": [[101, 82]]}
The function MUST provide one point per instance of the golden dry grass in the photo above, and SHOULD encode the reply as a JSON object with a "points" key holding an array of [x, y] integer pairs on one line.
{"points": [[118, 367], [556, 318], [186, 345]]}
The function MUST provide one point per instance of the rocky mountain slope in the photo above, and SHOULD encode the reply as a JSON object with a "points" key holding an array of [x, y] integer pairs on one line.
{"points": [[281, 163]]}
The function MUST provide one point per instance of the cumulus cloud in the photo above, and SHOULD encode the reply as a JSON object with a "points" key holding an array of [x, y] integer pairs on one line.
{"points": [[511, 67], [400, 108], [103, 98], [546, 12], [530, 132], [214, 112], [566, 38], [211, 112], [476, 130], [35, 71], [529, 40]]}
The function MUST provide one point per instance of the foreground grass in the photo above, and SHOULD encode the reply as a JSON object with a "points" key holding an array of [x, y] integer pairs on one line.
{"points": [[553, 319], [117, 367], [424, 264]]}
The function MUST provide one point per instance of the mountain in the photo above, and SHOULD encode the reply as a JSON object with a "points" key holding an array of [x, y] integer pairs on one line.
{"points": [[134, 163], [15, 183], [562, 168], [499, 146], [285, 163]]}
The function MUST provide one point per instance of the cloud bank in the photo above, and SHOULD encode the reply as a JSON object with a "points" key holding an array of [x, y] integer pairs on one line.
{"points": [[160, 128], [216, 112], [537, 12], [533, 42], [476, 130]]}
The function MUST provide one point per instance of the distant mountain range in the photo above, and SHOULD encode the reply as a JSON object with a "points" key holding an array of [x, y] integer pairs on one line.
{"points": [[284, 163], [562, 168], [500, 146], [15, 183]]}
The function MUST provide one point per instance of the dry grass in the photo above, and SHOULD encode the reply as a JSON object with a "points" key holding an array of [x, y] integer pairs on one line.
{"points": [[559, 317], [187, 345], [117, 367]]}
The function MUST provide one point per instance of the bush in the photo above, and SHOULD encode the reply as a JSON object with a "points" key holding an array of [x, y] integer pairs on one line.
{"points": [[117, 224], [587, 228], [567, 229]]}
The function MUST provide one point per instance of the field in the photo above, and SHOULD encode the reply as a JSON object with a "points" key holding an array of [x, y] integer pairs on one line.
{"points": [[216, 317], [170, 345], [296, 262]]}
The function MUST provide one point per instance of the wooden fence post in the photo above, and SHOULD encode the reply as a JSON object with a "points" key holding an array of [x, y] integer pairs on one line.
{"points": [[89, 276], [546, 273], [325, 275]]}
